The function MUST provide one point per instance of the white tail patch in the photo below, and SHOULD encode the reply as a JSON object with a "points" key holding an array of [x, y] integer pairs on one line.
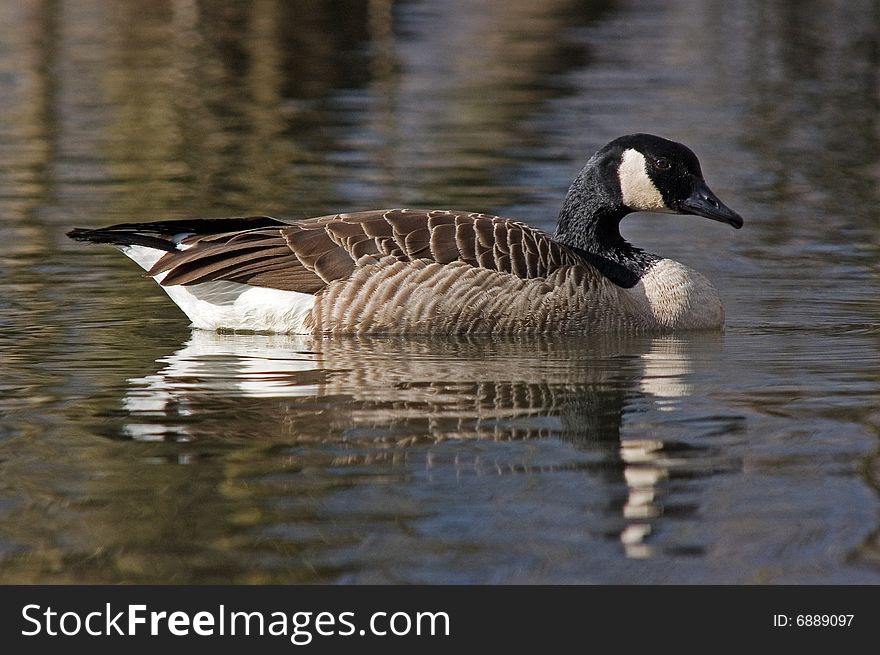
{"points": [[638, 192], [143, 256], [227, 305]]}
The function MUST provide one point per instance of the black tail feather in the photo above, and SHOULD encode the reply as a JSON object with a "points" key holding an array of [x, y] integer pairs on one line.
{"points": [[158, 234], [119, 238]]}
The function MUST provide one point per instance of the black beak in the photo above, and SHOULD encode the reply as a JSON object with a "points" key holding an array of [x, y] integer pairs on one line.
{"points": [[702, 202]]}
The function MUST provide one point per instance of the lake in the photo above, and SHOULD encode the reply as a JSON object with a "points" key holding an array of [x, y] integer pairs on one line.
{"points": [[134, 449]]}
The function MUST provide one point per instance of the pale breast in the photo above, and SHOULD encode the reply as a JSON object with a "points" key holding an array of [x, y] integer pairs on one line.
{"points": [[678, 298]]}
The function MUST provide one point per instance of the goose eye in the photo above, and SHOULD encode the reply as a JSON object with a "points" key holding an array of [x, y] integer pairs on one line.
{"points": [[662, 164]]}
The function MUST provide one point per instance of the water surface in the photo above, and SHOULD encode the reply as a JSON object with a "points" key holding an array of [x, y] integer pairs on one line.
{"points": [[134, 449]]}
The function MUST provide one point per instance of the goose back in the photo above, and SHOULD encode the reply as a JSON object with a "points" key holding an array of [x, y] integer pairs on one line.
{"points": [[308, 255]]}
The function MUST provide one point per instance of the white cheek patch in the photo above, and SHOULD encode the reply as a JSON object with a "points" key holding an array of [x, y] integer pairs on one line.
{"points": [[636, 188]]}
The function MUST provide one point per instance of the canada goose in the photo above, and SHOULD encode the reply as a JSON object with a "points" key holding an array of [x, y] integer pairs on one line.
{"points": [[400, 271]]}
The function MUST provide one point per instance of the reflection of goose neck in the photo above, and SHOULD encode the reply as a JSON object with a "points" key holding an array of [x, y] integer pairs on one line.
{"points": [[668, 366]]}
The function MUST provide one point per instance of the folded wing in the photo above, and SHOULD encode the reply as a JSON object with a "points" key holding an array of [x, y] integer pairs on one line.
{"points": [[308, 255]]}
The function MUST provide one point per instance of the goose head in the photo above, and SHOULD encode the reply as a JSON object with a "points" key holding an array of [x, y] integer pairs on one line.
{"points": [[635, 173], [658, 175]]}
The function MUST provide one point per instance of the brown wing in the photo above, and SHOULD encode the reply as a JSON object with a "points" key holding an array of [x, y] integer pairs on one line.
{"points": [[307, 255]]}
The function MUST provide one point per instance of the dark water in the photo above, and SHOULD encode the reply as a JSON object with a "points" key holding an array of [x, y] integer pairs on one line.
{"points": [[133, 449]]}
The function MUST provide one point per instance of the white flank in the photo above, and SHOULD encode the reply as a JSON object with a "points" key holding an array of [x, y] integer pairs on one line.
{"points": [[637, 190], [230, 305]]}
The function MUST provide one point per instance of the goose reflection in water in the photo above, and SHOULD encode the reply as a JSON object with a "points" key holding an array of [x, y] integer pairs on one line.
{"points": [[376, 399]]}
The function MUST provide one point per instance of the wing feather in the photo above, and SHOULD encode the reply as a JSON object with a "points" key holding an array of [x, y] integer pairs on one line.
{"points": [[308, 255]]}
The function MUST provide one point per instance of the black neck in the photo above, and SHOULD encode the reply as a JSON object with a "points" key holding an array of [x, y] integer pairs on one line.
{"points": [[589, 223]]}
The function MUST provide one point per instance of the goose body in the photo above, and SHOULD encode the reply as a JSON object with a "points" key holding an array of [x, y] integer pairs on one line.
{"points": [[413, 271]]}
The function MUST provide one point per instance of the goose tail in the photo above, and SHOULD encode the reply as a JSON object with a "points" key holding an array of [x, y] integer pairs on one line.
{"points": [[166, 235]]}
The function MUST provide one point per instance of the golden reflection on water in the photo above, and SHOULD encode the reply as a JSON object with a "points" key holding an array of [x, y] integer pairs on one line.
{"points": [[180, 108]]}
